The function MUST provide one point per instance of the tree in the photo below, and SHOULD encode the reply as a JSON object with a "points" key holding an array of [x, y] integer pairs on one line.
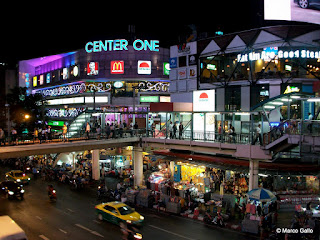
{"points": [[25, 110]]}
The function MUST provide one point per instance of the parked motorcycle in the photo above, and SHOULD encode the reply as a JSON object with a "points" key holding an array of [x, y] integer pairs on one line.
{"points": [[214, 220]]}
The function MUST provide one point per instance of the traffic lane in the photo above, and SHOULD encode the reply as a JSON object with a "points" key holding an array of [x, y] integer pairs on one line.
{"points": [[72, 212], [176, 227], [74, 215], [40, 217]]}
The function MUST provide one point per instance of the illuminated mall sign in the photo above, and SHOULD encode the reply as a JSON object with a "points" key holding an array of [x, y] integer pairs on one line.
{"points": [[273, 53], [121, 45]]}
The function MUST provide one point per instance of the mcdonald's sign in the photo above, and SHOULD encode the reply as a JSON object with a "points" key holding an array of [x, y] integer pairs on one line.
{"points": [[117, 67]]}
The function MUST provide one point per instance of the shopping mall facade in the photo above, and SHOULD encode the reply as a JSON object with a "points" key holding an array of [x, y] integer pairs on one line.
{"points": [[248, 67], [111, 76]]}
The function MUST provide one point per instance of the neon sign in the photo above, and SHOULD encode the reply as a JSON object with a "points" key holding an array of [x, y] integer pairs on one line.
{"points": [[121, 44], [291, 89], [268, 55]]}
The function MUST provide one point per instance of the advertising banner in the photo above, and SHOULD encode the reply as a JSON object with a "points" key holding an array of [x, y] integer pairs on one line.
{"points": [[292, 10], [204, 101]]}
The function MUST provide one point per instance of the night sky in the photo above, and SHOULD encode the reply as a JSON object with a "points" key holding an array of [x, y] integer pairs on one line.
{"points": [[34, 32]]}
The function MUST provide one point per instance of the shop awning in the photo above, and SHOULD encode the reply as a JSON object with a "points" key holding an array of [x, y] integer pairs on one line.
{"points": [[225, 163]]}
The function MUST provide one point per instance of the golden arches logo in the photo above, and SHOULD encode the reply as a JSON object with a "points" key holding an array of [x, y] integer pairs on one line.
{"points": [[117, 67]]}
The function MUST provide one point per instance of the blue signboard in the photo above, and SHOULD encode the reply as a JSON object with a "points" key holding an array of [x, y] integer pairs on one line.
{"points": [[173, 62]]}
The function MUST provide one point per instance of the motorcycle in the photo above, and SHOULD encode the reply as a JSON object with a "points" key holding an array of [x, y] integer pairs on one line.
{"points": [[214, 220], [101, 192], [52, 194], [135, 236], [133, 233]]}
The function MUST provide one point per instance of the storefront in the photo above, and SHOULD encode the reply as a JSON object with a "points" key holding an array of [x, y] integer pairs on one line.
{"points": [[119, 80], [247, 68]]}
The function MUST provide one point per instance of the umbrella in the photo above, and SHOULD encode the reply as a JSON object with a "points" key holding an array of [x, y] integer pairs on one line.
{"points": [[261, 194]]}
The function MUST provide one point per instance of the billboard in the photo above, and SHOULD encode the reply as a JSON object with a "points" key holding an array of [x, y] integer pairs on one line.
{"points": [[204, 101], [144, 67], [292, 10]]}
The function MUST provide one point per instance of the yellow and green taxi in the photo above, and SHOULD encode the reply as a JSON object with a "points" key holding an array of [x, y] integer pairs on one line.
{"points": [[18, 176], [116, 212]]}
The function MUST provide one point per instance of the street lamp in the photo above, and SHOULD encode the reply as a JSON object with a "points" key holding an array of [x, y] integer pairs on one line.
{"points": [[26, 116]]}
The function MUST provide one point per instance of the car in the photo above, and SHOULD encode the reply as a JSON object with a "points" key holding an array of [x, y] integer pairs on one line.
{"points": [[10, 229], [117, 212], [12, 189], [18, 176], [308, 3]]}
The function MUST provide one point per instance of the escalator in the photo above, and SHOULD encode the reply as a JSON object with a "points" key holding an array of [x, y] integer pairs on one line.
{"points": [[78, 124]]}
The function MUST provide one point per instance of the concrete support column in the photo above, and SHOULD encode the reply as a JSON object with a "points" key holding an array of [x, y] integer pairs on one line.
{"points": [[254, 171], [138, 166], [245, 98], [172, 170], [220, 99], [95, 164]]}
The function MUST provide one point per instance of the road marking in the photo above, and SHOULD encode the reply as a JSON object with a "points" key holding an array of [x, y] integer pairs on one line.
{"points": [[152, 215], [97, 221], [70, 210], [61, 230], [176, 234], [39, 217], [97, 234], [89, 230], [43, 237]]}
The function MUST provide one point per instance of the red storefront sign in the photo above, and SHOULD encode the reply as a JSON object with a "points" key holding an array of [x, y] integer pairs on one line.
{"points": [[117, 67]]}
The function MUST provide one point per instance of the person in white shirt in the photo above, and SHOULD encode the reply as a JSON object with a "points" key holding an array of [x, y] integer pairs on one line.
{"points": [[309, 126], [258, 135]]}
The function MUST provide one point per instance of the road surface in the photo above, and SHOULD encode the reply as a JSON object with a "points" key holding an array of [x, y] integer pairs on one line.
{"points": [[73, 217]]}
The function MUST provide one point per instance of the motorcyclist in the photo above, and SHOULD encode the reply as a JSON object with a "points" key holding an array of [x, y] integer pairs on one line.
{"points": [[127, 230], [124, 230], [50, 189]]}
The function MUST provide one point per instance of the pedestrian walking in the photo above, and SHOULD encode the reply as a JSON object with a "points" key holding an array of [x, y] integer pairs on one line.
{"points": [[258, 135], [121, 129], [180, 130], [153, 129], [44, 134], [64, 132], [309, 126], [108, 130], [135, 126], [174, 130], [14, 136], [2, 137], [35, 134], [49, 136], [98, 132], [88, 130], [220, 133]]}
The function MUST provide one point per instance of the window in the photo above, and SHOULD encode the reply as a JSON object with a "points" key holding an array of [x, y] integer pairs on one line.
{"points": [[233, 98], [258, 93], [110, 209], [125, 210]]}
